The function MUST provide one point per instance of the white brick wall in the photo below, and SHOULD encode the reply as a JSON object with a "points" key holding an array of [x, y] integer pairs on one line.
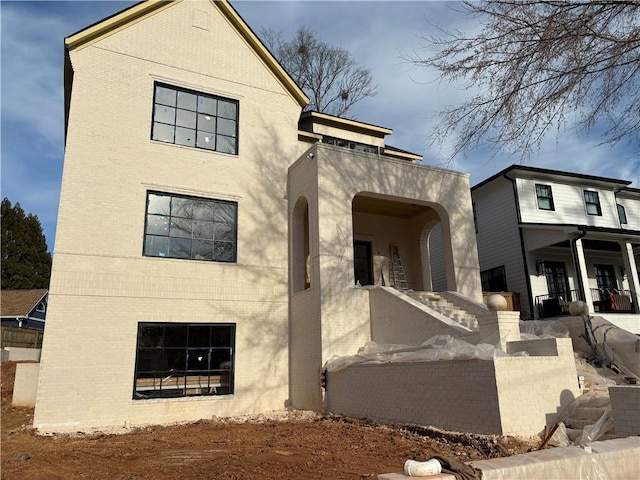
{"points": [[509, 395], [101, 284], [625, 403]]}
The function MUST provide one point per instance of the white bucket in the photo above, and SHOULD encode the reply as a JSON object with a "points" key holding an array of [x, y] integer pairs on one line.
{"points": [[422, 469]]}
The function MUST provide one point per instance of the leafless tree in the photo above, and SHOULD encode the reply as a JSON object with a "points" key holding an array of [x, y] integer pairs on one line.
{"points": [[540, 66], [329, 76]]}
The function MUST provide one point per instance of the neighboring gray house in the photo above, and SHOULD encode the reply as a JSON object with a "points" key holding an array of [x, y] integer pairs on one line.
{"points": [[555, 236], [23, 308]]}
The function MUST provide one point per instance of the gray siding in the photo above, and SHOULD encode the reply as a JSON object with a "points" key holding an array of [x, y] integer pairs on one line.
{"points": [[498, 237]]}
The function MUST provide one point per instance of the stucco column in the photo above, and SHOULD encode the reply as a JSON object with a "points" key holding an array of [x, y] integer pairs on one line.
{"points": [[581, 267], [631, 270]]}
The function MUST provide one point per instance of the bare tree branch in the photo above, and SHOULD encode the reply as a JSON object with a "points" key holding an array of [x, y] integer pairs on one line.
{"points": [[329, 76], [538, 64]]}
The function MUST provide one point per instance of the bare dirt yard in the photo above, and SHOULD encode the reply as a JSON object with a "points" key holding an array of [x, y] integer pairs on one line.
{"points": [[296, 445]]}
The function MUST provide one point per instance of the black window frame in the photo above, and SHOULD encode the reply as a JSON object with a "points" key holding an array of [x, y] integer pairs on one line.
{"points": [[541, 189], [475, 216], [161, 346], [165, 232], [622, 214], [591, 202], [205, 126], [492, 277], [357, 146]]}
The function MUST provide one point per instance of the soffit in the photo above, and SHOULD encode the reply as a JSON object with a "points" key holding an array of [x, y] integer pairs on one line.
{"points": [[387, 208]]}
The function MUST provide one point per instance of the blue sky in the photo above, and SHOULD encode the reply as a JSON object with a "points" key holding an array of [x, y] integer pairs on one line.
{"points": [[379, 34]]}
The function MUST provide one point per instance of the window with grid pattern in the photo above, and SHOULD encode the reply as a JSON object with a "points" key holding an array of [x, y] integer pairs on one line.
{"points": [[179, 226], [184, 360], [194, 119]]}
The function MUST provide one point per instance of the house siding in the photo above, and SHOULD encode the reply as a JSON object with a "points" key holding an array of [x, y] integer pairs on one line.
{"points": [[498, 235], [570, 207]]}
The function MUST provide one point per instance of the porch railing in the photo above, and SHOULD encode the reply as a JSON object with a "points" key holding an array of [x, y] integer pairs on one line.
{"points": [[611, 301], [555, 304]]}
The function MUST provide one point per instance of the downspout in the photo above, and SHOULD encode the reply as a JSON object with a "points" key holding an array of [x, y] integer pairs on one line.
{"points": [[522, 248], [576, 264]]}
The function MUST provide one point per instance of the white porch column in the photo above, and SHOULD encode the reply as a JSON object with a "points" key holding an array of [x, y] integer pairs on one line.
{"points": [[632, 272], [582, 268]]}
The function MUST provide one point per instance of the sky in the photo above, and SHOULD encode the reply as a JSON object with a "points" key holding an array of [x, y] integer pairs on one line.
{"points": [[380, 35]]}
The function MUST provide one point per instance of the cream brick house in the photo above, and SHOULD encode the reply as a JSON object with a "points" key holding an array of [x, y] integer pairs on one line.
{"points": [[227, 243]]}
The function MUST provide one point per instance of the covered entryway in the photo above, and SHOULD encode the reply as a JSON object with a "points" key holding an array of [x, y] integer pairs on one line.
{"points": [[390, 247]]}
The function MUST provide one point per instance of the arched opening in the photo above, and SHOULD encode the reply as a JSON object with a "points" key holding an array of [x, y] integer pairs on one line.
{"points": [[301, 265], [388, 235]]}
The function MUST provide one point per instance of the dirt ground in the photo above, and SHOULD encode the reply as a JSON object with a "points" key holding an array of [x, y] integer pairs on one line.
{"points": [[296, 446]]}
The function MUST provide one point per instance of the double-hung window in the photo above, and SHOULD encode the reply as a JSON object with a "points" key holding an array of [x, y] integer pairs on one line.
{"points": [[179, 226], [195, 119], [592, 202], [184, 359], [545, 197]]}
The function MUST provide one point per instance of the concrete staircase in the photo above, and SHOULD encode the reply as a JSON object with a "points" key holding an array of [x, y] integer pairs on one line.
{"points": [[445, 308], [586, 411]]}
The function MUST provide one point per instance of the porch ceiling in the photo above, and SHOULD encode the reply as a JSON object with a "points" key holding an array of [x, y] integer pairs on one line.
{"points": [[389, 208]]}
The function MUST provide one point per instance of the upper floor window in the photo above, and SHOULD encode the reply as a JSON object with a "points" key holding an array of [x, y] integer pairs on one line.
{"points": [[194, 119], [188, 227], [592, 201], [622, 215], [545, 197], [359, 147]]}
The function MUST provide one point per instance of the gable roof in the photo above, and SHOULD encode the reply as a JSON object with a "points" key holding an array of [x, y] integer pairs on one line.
{"points": [[142, 10], [18, 303]]}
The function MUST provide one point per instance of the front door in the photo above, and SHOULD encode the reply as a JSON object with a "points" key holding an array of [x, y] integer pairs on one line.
{"points": [[605, 277], [557, 283], [362, 263]]}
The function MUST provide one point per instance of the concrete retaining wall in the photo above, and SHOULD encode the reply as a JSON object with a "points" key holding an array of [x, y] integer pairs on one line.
{"points": [[509, 395], [19, 354], [25, 384], [609, 459], [454, 395]]}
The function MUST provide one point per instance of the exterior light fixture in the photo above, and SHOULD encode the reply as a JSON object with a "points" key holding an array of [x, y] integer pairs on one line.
{"points": [[539, 267]]}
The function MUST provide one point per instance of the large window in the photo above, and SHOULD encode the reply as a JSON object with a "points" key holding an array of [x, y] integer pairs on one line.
{"points": [[494, 280], [187, 227], [592, 201], [182, 360], [545, 197], [194, 119]]}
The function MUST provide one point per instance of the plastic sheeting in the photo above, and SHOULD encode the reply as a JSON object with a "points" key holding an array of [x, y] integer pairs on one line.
{"points": [[600, 461], [536, 329], [440, 347]]}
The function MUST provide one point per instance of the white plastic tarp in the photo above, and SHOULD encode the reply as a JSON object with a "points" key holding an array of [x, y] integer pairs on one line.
{"points": [[440, 347]]}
